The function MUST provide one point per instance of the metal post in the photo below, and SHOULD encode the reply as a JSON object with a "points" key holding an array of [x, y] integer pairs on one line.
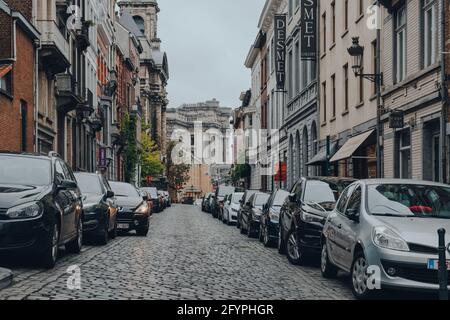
{"points": [[378, 83], [443, 276]]}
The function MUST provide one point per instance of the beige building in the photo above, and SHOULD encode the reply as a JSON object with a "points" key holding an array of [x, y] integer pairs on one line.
{"points": [[412, 79], [347, 103], [181, 123]]}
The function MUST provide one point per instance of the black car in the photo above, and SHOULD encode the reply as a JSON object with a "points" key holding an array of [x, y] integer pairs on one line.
{"points": [[99, 207], [153, 196], [218, 200], [134, 211], [243, 201], [205, 201], [41, 207], [270, 218], [188, 200], [251, 214], [303, 215]]}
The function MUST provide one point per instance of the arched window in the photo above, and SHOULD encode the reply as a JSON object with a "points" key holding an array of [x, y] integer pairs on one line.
{"points": [[140, 23], [298, 150], [305, 151]]}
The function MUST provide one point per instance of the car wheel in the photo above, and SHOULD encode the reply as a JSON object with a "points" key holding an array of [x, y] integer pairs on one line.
{"points": [[281, 245], [142, 232], [328, 270], [293, 250], [359, 277], [266, 239], [50, 254], [75, 245], [103, 236], [113, 232], [250, 232]]}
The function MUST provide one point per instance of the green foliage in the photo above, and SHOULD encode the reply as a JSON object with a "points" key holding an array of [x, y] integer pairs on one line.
{"points": [[177, 174], [131, 150], [241, 171], [150, 157]]}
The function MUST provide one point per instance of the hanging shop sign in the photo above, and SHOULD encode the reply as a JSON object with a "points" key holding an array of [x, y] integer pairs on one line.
{"points": [[280, 50], [308, 29]]}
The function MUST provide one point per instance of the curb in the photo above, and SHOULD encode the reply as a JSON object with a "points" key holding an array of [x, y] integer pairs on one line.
{"points": [[6, 277]]}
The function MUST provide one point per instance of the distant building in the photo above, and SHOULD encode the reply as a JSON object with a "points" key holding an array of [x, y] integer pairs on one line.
{"points": [[181, 123]]}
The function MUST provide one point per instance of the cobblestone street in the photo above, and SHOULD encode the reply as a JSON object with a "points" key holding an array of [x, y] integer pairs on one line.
{"points": [[187, 255]]}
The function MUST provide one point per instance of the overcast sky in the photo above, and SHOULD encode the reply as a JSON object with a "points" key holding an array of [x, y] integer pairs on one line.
{"points": [[207, 42]]}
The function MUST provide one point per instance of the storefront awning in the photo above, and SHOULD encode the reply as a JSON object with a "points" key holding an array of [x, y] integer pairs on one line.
{"points": [[349, 148], [321, 157], [4, 69]]}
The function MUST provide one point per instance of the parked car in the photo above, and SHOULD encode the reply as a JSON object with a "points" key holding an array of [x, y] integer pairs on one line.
{"points": [[152, 194], [209, 203], [302, 217], [217, 204], [134, 211], [41, 207], [390, 224], [231, 207], [205, 201], [188, 200], [242, 202], [167, 198], [270, 218], [162, 199], [251, 214], [99, 207]]}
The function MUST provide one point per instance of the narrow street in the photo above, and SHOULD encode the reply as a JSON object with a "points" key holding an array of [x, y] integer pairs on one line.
{"points": [[187, 255]]}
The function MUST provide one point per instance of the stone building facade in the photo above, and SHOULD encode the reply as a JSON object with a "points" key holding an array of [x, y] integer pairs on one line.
{"points": [[211, 161]]}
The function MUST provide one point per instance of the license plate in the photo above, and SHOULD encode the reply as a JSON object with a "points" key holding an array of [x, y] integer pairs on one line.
{"points": [[433, 264], [123, 226]]}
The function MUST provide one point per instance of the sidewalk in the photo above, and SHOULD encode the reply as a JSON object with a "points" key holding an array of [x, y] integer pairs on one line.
{"points": [[6, 277]]}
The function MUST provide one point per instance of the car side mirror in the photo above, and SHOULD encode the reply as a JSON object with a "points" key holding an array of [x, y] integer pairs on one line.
{"points": [[353, 215], [292, 197], [109, 194], [67, 184], [249, 204]]}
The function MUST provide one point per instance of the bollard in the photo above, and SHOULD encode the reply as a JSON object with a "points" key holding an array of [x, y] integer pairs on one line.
{"points": [[443, 291]]}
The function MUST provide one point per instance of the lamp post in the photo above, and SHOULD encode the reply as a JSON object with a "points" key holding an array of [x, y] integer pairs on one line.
{"points": [[356, 51]]}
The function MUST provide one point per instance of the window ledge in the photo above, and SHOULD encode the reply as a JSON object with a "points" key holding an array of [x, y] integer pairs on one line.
{"points": [[373, 97], [346, 112], [333, 45], [359, 105], [6, 94], [345, 33], [323, 55], [323, 124], [333, 119]]}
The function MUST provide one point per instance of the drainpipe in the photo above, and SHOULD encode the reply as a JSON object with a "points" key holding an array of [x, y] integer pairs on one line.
{"points": [[36, 96], [444, 96], [14, 58]]}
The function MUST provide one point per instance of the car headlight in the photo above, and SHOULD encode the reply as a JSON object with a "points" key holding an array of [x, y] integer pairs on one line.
{"points": [[386, 238], [311, 218], [274, 216], [27, 210], [143, 208]]}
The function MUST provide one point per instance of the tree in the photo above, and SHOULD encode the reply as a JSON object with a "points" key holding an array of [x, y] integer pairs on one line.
{"points": [[241, 171], [150, 157], [177, 174], [131, 150]]}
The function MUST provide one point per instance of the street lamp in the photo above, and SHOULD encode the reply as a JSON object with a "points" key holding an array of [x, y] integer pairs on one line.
{"points": [[356, 51]]}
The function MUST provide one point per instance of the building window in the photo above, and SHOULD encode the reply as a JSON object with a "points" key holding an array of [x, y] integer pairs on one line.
{"points": [[404, 154], [297, 68], [291, 9], [324, 101], [333, 22], [291, 76], [333, 95], [345, 15], [324, 32], [6, 83], [374, 64], [23, 125], [429, 32], [400, 43], [346, 87], [140, 23], [360, 7], [361, 84]]}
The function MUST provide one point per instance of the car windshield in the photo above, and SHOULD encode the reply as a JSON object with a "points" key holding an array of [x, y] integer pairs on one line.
{"points": [[323, 192], [124, 189], [248, 195], [223, 191], [24, 171], [236, 197], [425, 201], [152, 192], [88, 183], [261, 199], [280, 197]]}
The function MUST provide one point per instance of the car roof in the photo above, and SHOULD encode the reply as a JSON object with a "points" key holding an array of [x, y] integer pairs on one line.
{"points": [[25, 155], [402, 181], [330, 179], [86, 173]]}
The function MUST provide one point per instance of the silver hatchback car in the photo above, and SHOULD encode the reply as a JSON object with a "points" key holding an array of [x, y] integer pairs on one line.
{"points": [[384, 233]]}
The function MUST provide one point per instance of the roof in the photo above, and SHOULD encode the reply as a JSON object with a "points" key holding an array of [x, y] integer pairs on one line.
{"points": [[127, 21]]}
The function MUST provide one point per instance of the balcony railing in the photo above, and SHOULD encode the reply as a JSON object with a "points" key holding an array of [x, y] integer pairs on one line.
{"points": [[308, 95]]}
